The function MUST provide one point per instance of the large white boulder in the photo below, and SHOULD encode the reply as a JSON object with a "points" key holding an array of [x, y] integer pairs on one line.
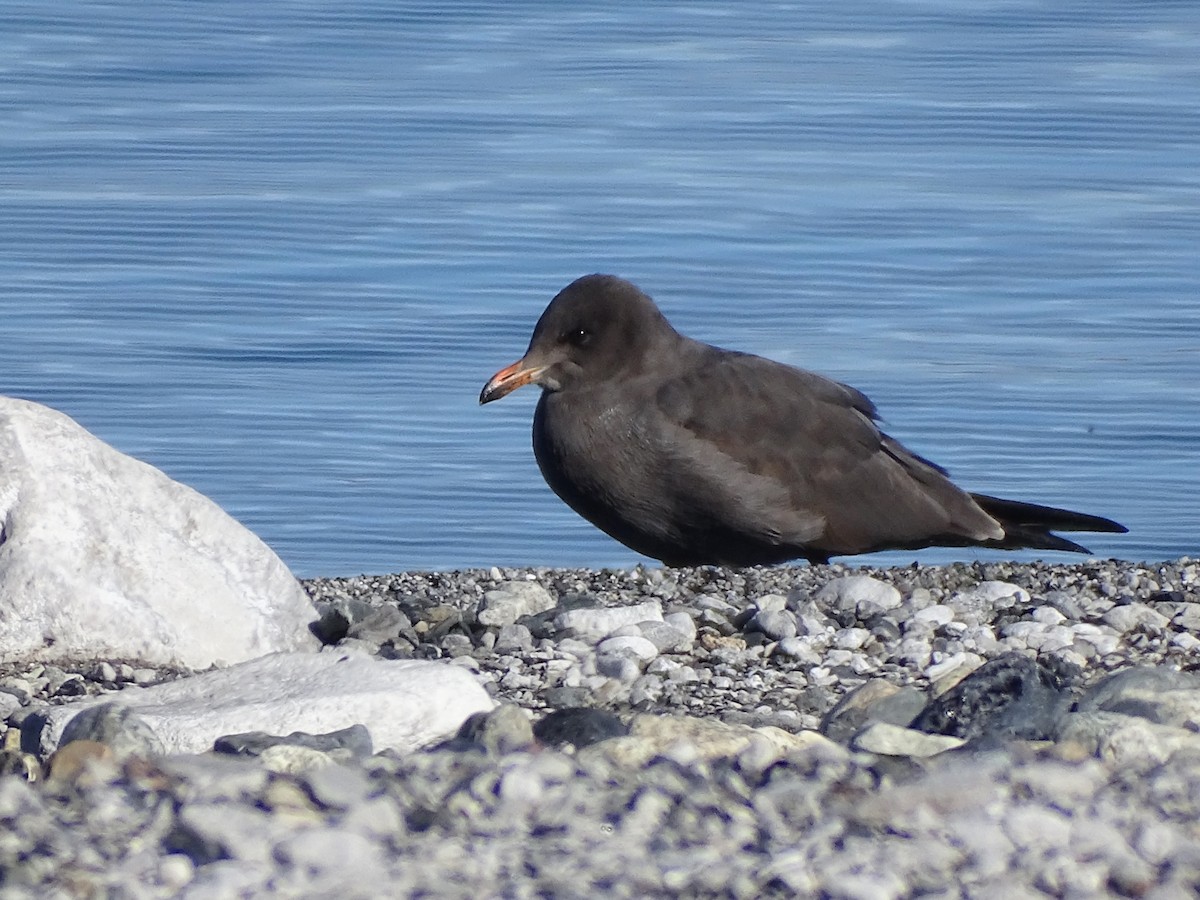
{"points": [[105, 557], [404, 703]]}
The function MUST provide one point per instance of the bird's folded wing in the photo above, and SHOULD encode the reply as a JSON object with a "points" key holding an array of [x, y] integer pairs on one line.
{"points": [[812, 455]]}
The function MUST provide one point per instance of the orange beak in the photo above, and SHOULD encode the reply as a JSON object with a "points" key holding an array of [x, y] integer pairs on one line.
{"points": [[509, 379]]}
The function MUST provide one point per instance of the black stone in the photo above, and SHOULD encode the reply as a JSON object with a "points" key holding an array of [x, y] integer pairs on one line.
{"points": [[578, 727], [356, 739], [1012, 697]]}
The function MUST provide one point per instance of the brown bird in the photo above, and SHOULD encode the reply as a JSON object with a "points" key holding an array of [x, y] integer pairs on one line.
{"points": [[695, 455]]}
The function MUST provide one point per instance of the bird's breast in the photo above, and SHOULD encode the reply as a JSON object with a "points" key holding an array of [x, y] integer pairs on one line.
{"points": [[594, 452]]}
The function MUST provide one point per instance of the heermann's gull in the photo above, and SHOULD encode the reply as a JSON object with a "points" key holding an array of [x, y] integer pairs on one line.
{"points": [[695, 455]]}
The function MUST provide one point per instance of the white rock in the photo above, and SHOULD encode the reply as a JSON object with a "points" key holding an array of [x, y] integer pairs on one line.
{"points": [[682, 622], [851, 638], [1126, 740], [1037, 829], [634, 646], [1185, 641], [957, 663], [852, 591], [666, 637], [1135, 615], [596, 623], [512, 601], [103, 556], [771, 602], [404, 703], [1104, 641], [1057, 637], [800, 649], [995, 593], [1023, 630], [886, 739], [934, 615], [1048, 615]]}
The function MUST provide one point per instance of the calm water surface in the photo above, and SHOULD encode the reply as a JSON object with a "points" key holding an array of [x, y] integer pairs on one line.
{"points": [[276, 248]]}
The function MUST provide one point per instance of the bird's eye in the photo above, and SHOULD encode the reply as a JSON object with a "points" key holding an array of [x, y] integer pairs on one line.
{"points": [[579, 337]]}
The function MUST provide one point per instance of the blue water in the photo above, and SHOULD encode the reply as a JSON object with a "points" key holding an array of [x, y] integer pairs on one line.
{"points": [[276, 248]]}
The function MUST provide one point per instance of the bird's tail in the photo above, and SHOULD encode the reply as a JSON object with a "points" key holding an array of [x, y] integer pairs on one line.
{"points": [[1029, 526]]}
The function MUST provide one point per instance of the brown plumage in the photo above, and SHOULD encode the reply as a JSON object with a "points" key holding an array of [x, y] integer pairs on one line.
{"points": [[695, 455]]}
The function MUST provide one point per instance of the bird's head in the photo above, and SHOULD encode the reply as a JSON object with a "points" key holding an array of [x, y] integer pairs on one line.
{"points": [[594, 329]]}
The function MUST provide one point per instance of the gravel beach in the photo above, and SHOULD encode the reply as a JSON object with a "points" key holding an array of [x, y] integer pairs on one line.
{"points": [[742, 734]]}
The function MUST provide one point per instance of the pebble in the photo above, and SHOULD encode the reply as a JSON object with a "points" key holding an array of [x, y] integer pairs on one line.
{"points": [[594, 624], [862, 594], [777, 624], [117, 727], [1133, 616], [666, 637], [717, 784], [514, 600], [887, 739]]}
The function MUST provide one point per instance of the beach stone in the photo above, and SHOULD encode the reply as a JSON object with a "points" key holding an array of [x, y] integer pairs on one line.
{"points": [[851, 638], [513, 638], [404, 703], [655, 735], [861, 594], [886, 739], [118, 727], [505, 729], [1163, 696], [216, 776], [1187, 617], [683, 623], [915, 651], [799, 649], [620, 667], [382, 624], [934, 615], [512, 601], [593, 624], [1133, 616], [80, 761], [777, 624], [9, 704], [208, 832], [951, 670], [1130, 741], [998, 594], [1008, 697], [354, 742], [633, 646], [1048, 615], [330, 862], [1070, 606], [873, 701], [292, 759], [104, 556], [1186, 641], [770, 603], [667, 637], [578, 727]]}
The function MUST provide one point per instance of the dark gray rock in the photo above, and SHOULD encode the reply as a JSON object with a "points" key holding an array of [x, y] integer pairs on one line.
{"points": [[506, 729], [578, 727], [355, 740], [874, 701], [1010, 697], [116, 726]]}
